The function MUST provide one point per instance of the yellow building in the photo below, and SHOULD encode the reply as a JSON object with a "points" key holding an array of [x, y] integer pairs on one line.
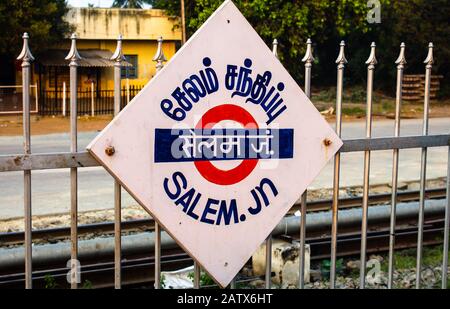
{"points": [[97, 30]]}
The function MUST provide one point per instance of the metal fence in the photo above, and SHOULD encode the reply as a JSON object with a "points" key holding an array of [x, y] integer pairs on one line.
{"points": [[11, 99], [76, 159], [90, 100]]}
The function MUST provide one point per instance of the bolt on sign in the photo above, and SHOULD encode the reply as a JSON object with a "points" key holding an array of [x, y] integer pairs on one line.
{"points": [[219, 145]]}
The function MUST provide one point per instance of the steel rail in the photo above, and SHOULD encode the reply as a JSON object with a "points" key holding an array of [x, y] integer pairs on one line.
{"points": [[74, 57], [341, 61], [137, 270], [401, 61], [53, 234], [308, 59], [423, 162], [26, 57], [43, 161], [117, 57], [159, 58]]}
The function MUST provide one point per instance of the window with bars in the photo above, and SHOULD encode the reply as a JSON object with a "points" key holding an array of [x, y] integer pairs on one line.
{"points": [[57, 76], [130, 71]]}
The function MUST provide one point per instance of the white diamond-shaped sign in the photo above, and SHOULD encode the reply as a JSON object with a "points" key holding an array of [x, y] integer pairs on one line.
{"points": [[219, 145]]}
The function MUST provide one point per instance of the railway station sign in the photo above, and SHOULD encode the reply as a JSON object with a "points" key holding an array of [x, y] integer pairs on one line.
{"points": [[219, 145]]}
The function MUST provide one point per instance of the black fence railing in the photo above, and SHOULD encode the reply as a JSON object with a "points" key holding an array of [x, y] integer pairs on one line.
{"points": [[11, 99], [97, 102]]}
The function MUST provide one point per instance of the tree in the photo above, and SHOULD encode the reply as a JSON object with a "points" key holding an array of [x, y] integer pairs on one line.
{"points": [[130, 4], [416, 22], [291, 22], [42, 19]]}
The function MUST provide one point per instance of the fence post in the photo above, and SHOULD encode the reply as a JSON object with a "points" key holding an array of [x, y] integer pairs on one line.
{"points": [[74, 57], [128, 90], [117, 57], [27, 58], [268, 262], [64, 100], [308, 59], [446, 227], [423, 162], [341, 61], [371, 62], [401, 61], [159, 58], [92, 100], [36, 97]]}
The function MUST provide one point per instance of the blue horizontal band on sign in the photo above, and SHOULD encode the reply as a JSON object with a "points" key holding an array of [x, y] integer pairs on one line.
{"points": [[187, 145]]}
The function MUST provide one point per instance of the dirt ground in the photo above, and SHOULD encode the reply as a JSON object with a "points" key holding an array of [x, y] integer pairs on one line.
{"points": [[12, 124], [385, 110]]}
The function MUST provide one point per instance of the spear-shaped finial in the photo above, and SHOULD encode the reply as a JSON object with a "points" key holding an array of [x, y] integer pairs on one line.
{"points": [[159, 57], [341, 60], [25, 54], [275, 47], [308, 58], [401, 60], [430, 59], [73, 55], [118, 56], [372, 61]]}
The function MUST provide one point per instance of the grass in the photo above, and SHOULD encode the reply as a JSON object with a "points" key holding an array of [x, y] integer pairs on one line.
{"points": [[387, 105], [356, 94], [354, 102], [354, 99], [406, 259], [353, 111], [50, 283], [205, 279]]}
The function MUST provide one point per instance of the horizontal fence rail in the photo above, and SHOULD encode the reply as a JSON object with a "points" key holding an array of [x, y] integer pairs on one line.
{"points": [[94, 102], [43, 161]]}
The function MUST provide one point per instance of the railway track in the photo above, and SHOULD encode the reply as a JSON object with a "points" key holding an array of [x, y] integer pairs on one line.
{"points": [[57, 234], [138, 267], [137, 271]]}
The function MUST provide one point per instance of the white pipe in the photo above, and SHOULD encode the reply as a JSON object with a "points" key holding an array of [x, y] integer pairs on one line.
{"points": [[144, 242], [92, 100], [64, 100]]}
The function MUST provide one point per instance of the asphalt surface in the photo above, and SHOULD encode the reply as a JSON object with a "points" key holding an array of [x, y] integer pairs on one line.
{"points": [[51, 188]]}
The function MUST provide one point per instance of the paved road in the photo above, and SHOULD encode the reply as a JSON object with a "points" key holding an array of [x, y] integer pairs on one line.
{"points": [[51, 187]]}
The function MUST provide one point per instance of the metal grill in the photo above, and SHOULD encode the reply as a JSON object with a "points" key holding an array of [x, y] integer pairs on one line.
{"points": [[75, 159], [90, 101]]}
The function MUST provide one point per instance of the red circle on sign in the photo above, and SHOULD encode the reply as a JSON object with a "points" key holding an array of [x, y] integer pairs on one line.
{"points": [[209, 119]]}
